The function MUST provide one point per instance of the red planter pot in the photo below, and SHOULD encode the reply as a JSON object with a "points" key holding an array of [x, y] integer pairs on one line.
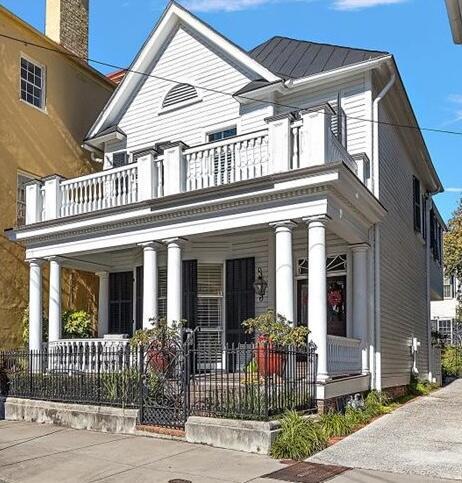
{"points": [[270, 361]]}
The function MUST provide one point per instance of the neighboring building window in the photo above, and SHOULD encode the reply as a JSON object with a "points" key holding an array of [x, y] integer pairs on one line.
{"points": [[448, 287], [21, 181], [32, 83], [436, 235], [179, 94], [417, 204], [119, 159]]}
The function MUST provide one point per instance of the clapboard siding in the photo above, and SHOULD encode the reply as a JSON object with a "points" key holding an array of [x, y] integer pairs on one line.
{"points": [[402, 262], [354, 102], [189, 59]]}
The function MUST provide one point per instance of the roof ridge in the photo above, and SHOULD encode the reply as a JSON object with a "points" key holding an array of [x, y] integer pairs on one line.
{"points": [[317, 43]]}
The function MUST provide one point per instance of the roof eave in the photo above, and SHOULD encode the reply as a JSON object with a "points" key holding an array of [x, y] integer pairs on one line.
{"points": [[454, 8]]}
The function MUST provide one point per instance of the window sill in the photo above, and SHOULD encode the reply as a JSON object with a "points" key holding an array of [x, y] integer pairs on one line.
{"points": [[40, 109]]}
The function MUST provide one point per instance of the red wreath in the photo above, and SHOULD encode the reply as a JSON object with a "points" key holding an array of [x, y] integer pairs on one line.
{"points": [[335, 297]]}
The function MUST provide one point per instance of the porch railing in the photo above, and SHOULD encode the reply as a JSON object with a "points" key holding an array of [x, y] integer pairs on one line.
{"points": [[286, 145], [343, 356]]}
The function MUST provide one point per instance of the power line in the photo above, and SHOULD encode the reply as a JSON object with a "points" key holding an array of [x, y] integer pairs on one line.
{"points": [[218, 91]]}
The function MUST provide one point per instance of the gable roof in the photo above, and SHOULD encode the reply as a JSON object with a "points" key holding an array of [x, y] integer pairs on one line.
{"points": [[295, 59]]}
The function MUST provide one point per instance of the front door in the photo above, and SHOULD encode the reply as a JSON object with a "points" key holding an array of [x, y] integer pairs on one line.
{"points": [[121, 303]]}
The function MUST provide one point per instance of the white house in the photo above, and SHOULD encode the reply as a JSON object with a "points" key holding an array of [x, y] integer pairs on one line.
{"points": [[288, 162], [444, 316]]}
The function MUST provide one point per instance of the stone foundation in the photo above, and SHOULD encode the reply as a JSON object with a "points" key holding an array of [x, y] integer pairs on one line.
{"points": [[76, 416]]}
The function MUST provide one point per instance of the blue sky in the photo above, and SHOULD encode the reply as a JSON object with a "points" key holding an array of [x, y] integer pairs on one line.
{"points": [[415, 31]]}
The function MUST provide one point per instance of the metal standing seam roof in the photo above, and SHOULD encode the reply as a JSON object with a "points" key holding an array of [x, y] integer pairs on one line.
{"points": [[294, 59]]}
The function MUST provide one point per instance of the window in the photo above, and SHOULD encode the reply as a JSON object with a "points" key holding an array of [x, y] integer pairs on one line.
{"points": [[162, 292], [21, 181], [180, 94], [119, 159], [436, 234], [424, 218], [417, 205], [32, 83], [448, 287], [223, 134]]}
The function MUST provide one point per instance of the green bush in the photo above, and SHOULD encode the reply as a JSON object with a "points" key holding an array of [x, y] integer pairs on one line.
{"points": [[25, 327], [421, 388], [451, 360], [77, 325], [335, 424], [298, 439]]}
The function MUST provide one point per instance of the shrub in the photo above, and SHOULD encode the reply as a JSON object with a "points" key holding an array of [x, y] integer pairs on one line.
{"points": [[335, 424], [421, 388], [77, 324], [298, 439], [451, 360], [25, 327]]}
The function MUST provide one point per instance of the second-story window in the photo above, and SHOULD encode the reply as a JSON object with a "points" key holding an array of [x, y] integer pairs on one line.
{"points": [[223, 134], [32, 83], [417, 204], [223, 157], [448, 287]]}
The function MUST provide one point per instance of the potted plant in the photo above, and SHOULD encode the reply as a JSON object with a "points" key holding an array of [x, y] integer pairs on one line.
{"points": [[161, 343], [273, 333]]}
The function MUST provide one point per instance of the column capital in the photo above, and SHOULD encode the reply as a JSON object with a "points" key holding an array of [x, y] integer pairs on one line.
{"points": [[284, 224], [35, 261], [102, 274], [54, 258], [360, 247], [316, 220], [174, 241], [153, 245]]}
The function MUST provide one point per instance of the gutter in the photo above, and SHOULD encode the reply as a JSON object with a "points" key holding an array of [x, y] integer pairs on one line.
{"points": [[454, 8], [377, 358]]}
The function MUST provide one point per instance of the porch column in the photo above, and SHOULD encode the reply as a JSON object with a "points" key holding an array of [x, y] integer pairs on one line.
{"points": [[174, 280], [317, 289], [103, 304], [360, 300], [150, 286], [284, 269], [35, 304], [54, 305]]}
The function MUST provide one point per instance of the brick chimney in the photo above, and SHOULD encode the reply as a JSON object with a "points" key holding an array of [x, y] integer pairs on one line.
{"points": [[67, 24]]}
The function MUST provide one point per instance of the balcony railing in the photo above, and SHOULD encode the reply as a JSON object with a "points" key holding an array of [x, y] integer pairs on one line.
{"points": [[343, 356], [284, 146]]}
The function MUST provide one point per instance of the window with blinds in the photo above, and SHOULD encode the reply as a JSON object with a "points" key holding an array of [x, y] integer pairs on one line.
{"points": [[179, 94], [162, 292]]}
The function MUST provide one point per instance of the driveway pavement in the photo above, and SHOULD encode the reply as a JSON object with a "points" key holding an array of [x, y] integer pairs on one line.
{"points": [[422, 438]]}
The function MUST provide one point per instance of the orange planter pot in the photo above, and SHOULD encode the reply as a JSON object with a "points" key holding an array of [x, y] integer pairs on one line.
{"points": [[270, 361]]}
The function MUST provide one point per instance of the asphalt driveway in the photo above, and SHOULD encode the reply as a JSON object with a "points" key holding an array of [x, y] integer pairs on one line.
{"points": [[424, 437]]}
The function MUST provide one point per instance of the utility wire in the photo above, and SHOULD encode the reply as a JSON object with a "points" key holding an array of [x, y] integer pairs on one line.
{"points": [[217, 91]]}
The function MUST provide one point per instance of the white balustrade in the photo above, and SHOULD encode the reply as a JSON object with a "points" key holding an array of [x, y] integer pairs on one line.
{"points": [[337, 152], [106, 189], [89, 355], [296, 143], [227, 161], [343, 356]]}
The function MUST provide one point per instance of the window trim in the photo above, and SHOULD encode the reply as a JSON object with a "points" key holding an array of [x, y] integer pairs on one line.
{"points": [[26, 57]]}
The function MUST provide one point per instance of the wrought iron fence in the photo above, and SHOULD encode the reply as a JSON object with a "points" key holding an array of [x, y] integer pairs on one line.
{"points": [[169, 382]]}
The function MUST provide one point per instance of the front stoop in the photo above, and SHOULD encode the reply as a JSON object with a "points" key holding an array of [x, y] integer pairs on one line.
{"points": [[76, 416], [248, 436]]}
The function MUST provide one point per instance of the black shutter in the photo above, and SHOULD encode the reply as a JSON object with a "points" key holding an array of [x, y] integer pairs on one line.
{"points": [[240, 298], [121, 303], [189, 309], [119, 159], [417, 205], [139, 297]]}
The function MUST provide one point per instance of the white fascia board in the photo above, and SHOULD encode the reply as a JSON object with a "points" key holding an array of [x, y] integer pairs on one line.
{"points": [[338, 74], [148, 52], [188, 228]]}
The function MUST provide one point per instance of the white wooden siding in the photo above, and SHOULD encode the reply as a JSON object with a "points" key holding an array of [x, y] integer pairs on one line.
{"points": [[189, 59], [402, 264]]}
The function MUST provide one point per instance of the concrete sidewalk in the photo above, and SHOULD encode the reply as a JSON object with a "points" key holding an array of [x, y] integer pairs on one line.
{"points": [[41, 453], [422, 438]]}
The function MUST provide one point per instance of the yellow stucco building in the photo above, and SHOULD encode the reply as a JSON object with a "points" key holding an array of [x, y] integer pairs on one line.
{"points": [[48, 101]]}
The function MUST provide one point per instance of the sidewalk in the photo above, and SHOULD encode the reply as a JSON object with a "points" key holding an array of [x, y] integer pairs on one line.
{"points": [[41, 453]]}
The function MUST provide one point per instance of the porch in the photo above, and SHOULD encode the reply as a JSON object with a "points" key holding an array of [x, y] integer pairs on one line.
{"points": [[210, 282]]}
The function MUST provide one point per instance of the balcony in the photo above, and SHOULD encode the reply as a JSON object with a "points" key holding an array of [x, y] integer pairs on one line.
{"points": [[287, 144]]}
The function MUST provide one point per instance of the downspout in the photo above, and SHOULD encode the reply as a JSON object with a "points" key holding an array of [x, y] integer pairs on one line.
{"points": [[377, 375], [428, 202]]}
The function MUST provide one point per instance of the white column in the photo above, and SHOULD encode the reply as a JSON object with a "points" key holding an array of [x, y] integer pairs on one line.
{"points": [[173, 280], [317, 290], [284, 269], [35, 304], [360, 301], [150, 285], [54, 305], [103, 304]]}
